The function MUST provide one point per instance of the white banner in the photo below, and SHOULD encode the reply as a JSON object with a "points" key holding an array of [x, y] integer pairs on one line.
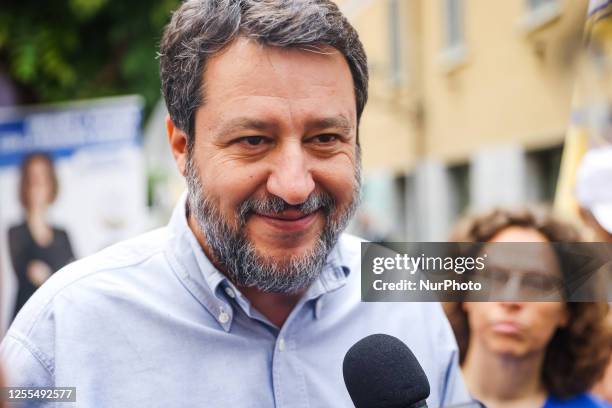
{"points": [[93, 149]]}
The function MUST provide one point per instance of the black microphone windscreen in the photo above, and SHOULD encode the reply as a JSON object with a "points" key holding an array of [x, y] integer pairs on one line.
{"points": [[381, 372]]}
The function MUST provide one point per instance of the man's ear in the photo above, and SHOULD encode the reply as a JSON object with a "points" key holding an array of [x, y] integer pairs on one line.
{"points": [[178, 144]]}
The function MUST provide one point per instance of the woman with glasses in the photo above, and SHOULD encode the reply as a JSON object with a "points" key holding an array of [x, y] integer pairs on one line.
{"points": [[525, 353]]}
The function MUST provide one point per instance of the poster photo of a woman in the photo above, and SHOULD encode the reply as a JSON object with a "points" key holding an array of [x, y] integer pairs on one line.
{"points": [[73, 180], [37, 249]]}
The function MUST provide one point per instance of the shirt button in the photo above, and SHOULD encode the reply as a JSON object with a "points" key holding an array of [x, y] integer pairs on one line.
{"points": [[281, 344], [230, 292], [223, 317]]}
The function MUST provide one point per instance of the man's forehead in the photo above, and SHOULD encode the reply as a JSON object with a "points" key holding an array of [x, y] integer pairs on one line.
{"points": [[244, 48], [250, 85], [247, 67]]}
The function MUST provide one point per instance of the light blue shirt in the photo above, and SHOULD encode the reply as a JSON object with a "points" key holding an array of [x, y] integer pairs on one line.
{"points": [[150, 322]]}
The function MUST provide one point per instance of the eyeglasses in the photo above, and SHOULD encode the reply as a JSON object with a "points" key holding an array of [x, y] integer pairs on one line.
{"points": [[518, 284]]}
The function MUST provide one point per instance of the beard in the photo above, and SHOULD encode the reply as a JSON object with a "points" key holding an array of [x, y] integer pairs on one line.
{"points": [[237, 256]]}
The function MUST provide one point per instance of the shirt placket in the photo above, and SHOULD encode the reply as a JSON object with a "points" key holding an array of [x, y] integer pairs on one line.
{"points": [[289, 383]]}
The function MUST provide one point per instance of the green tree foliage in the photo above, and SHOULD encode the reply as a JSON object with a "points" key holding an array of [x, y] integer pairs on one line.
{"points": [[56, 50]]}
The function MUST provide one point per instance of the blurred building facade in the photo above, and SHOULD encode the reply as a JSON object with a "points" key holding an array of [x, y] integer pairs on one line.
{"points": [[469, 105]]}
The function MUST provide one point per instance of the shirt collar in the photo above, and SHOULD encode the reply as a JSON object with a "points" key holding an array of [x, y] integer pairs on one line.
{"points": [[214, 291]]}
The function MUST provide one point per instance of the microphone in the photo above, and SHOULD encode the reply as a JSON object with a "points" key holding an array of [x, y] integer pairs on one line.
{"points": [[380, 371]]}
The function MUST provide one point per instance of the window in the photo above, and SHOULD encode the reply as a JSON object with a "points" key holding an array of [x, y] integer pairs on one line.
{"points": [[539, 13], [459, 182], [395, 42], [453, 53], [535, 4], [453, 23], [543, 173]]}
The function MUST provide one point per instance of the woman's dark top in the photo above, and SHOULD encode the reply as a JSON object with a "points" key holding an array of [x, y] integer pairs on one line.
{"points": [[24, 249]]}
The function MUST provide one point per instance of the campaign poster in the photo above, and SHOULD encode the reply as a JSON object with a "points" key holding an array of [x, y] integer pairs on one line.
{"points": [[72, 181]]}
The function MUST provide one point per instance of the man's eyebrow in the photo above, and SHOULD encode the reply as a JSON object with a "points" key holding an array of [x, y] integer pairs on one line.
{"points": [[338, 122], [246, 123]]}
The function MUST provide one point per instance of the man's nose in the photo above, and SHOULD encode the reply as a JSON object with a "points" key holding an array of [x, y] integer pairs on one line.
{"points": [[291, 178]]}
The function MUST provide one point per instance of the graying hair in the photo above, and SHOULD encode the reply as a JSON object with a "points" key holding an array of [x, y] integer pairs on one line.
{"points": [[201, 28]]}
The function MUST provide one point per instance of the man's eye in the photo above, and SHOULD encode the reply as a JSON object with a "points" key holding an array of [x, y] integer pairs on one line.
{"points": [[253, 140], [326, 138]]}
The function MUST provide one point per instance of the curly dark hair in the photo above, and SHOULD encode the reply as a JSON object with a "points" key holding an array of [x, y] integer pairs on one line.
{"points": [[577, 354]]}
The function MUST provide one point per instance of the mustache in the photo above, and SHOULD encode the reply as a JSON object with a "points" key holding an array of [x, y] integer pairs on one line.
{"points": [[272, 205]]}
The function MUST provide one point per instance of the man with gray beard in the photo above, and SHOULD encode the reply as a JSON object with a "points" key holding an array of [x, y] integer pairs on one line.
{"points": [[238, 256], [251, 295]]}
